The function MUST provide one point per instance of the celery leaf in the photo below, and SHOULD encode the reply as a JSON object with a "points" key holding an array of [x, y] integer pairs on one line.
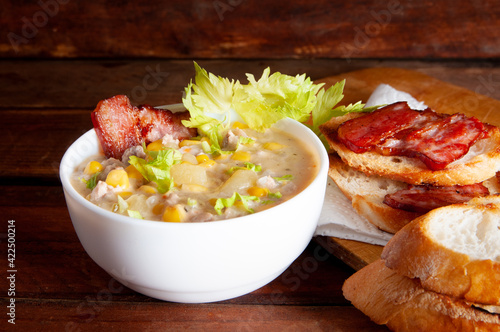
{"points": [[158, 169]]}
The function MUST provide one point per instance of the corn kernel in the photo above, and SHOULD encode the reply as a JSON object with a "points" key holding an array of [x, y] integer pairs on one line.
{"points": [[221, 156], [239, 125], [175, 213], [93, 167], [205, 139], [208, 163], [133, 173], [201, 158], [241, 156], [273, 146], [212, 201], [148, 189], [125, 194], [188, 142], [258, 191], [155, 146], [118, 177], [158, 209], [193, 188]]}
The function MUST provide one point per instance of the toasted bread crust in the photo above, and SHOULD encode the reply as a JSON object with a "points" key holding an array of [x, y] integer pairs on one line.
{"points": [[481, 163], [367, 194], [415, 252], [382, 216], [403, 305]]}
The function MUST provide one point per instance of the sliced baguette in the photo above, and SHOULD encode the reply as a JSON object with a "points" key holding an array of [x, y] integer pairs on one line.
{"points": [[481, 162], [453, 250], [403, 305], [367, 195]]}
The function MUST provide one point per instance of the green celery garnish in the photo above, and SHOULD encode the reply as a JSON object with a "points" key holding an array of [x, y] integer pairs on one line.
{"points": [[215, 102], [287, 177], [122, 204], [92, 181], [249, 166], [222, 203], [273, 97], [324, 109], [245, 140], [209, 101], [158, 169], [276, 195], [134, 214]]}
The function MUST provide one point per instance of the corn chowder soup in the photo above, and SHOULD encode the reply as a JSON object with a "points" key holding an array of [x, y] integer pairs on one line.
{"points": [[184, 181]]}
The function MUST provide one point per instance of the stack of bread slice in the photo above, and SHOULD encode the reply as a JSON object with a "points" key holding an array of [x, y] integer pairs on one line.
{"points": [[440, 272], [441, 269], [366, 178]]}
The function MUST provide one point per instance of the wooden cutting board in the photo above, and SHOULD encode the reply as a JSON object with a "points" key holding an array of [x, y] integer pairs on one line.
{"points": [[440, 96]]}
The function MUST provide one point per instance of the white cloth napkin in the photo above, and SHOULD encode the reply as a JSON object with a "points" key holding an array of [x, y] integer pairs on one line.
{"points": [[338, 218]]}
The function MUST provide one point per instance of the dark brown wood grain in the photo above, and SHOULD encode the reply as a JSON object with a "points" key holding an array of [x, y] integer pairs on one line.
{"points": [[35, 141], [94, 315], [81, 84], [240, 29]]}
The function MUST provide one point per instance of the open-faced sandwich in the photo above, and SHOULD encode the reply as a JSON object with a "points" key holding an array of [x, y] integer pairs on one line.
{"points": [[397, 163]]}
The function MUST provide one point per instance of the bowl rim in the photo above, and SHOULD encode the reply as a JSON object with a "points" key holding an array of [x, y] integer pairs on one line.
{"points": [[65, 173]]}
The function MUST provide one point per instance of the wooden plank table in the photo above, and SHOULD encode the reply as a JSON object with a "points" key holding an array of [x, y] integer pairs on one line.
{"points": [[229, 29], [45, 105]]}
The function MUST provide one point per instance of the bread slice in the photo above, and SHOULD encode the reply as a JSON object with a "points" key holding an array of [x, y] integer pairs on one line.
{"points": [[367, 195], [403, 305], [453, 250], [480, 163]]}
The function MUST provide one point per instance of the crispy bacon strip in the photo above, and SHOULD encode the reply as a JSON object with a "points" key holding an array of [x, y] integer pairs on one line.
{"points": [[119, 125], [435, 139], [363, 133], [424, 198]]}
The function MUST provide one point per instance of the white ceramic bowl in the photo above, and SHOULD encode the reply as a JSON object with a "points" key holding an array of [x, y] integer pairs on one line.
{"points": [[196, 262]]}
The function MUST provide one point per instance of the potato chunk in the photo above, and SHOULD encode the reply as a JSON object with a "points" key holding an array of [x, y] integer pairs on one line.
{"points": [[241, 179], [189, 174]]}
